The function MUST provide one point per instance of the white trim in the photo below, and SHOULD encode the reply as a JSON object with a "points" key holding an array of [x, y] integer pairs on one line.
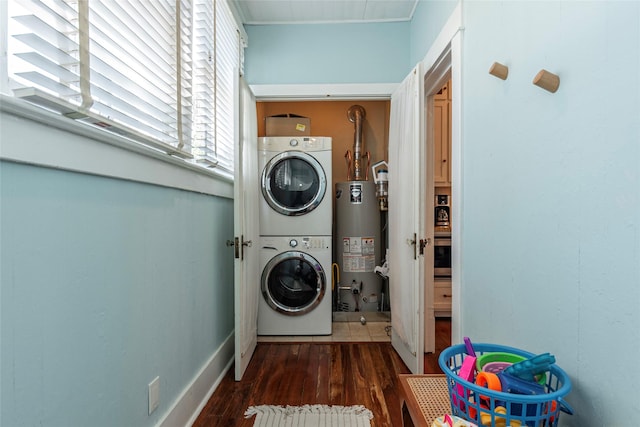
{"points": [[81, 148], [49, 102], [238, 18], [195, 396], [440, 45], [446, 52], [331, 21], [329, 92], [457, 190]]}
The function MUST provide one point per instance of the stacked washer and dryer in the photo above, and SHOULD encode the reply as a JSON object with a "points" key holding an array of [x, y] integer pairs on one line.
{"points": [[295, 236]]}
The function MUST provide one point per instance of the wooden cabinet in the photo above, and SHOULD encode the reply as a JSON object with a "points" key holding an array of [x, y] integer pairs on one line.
{"points": [[442, 297], [442, 178], [443, 94], [442, 136]]}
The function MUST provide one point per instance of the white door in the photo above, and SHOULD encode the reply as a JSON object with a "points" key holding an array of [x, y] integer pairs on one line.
{"points": [[406, 182], [246, 231]]}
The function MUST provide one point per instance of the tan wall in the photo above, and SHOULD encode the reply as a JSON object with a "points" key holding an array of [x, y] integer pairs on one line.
{"points": [[329, 118]]}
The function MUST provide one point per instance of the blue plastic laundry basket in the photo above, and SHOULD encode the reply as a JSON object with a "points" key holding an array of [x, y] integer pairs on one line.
{"points": [[498, 409]]}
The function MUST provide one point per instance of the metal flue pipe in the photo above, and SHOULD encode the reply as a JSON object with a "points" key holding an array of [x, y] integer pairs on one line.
{"points": [[356, 115]]}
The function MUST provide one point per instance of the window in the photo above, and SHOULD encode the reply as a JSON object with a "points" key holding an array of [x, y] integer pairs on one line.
{"points": [[160, 72]]}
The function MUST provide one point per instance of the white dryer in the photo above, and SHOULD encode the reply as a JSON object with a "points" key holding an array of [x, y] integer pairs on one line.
{"points": [[295, 285], [295, 181]]}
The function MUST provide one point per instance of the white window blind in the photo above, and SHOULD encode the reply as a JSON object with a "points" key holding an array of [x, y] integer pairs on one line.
{"points": [[160, 72]]}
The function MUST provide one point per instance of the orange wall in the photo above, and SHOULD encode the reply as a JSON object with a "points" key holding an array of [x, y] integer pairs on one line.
{"points": [[329, 118]]}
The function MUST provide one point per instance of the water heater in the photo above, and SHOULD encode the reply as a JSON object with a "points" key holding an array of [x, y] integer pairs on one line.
{"points": [[358, 235], [358, 246]]}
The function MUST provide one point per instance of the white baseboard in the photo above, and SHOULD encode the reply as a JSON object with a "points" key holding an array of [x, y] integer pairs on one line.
{"points": [[196, 395]]}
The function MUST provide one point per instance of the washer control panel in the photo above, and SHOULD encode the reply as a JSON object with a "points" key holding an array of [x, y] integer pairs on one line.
{"points": [[314, 242], [300, 243]]}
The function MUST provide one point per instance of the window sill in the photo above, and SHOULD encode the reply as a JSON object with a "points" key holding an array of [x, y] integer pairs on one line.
{"points": [[33, 135]]}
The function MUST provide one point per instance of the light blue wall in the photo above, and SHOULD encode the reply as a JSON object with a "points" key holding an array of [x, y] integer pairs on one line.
{"points": [[106, 284], [331, 53], [551, 193], [428, 18]]}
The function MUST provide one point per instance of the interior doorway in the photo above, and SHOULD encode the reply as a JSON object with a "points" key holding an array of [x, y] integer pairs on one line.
{"points": [[438, 289], [438, 87], [330, 118]]}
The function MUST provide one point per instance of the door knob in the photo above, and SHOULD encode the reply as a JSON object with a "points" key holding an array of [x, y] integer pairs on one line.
{"points": [[238, 246], [423, 243]]}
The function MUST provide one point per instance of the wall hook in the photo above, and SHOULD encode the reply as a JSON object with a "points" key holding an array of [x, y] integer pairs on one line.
{"points": [[499, 70], [547, 81]]}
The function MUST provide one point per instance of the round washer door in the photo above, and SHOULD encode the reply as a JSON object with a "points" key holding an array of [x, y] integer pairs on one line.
{"points": [[293, 283], [293, 183]]}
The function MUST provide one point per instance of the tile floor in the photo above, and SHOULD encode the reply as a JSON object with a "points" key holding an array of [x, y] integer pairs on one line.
{"points": [[347, 327], [342, 332]]}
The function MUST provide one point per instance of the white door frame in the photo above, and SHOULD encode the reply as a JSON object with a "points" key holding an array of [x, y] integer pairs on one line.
{"points": [[443, 61]]}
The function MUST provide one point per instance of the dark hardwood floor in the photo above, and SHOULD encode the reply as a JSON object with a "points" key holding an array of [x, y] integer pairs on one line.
{"points": [[318, 373], [443, 340]]}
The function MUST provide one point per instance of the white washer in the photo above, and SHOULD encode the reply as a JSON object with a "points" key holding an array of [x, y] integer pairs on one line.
{"points": [[295, 285], [295, 182]]}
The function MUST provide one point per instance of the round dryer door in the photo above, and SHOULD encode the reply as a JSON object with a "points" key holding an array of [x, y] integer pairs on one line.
{"points": [[293, 183], [293, 283]]}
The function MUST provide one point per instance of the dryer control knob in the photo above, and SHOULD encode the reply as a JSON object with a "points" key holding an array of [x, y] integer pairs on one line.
{"points": [[293, 243], [293, 142]]}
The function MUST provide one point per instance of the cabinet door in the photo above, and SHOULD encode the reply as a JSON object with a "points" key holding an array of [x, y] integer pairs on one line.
{"points": [[441, 138]]}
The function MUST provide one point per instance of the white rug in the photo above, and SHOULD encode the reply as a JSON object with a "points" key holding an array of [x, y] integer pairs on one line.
{"points": [[310, 416]]}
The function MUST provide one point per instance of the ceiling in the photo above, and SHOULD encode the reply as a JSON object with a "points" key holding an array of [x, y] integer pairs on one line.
{"points": [[323, 11]]}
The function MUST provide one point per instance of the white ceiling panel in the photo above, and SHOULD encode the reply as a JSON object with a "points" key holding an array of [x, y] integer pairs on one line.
{"points": [[400, 10], [323, 11]]}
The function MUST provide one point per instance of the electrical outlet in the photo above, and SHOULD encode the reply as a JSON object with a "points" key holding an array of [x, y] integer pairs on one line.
{"points": [[154, 395]]}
